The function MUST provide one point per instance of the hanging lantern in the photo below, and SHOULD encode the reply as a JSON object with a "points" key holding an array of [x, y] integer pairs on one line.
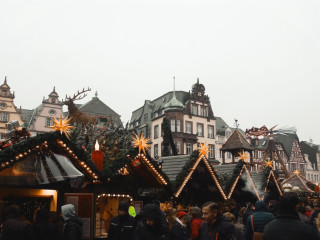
{"points": [[97, 156]]}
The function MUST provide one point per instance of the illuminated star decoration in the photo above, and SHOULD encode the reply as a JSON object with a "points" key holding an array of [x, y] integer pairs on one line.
{"points": [[62, 125], [296, 172], [141, 142], [243, 156], [269, 164], [203, 149]]}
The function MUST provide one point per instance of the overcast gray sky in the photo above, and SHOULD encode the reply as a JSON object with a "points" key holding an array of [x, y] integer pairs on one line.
{"points": [[259, 60]]}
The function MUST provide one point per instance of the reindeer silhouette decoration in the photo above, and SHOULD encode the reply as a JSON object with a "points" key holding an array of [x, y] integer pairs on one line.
{"points": [[74, 112]]}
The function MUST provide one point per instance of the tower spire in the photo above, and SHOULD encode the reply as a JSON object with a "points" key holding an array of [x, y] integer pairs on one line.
{"points": [[5, 79]]}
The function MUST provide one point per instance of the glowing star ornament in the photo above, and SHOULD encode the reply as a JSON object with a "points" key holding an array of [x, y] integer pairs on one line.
{"points": [[296, 172], [243, 156], [141, 142], [62, 125], [204, 149], [269, 164]]}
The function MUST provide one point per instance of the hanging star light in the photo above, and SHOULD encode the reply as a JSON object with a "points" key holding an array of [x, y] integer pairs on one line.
{"points": [[269, 164], [203, 149], [296, 172], [141, 142], [62, 125], [243, 156]]}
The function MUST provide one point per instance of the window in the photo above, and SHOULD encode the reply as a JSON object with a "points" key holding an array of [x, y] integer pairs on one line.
{"points": [[220, 154], [49, 122], [308, 176], [200, 129], [210, 132], [53, 100], [194, 109], [1, 136], [189, 148], [156, 150], [173, 125], [3, 105], [229, 155], [256, 154], [4, 92], [4, 117], [211, 151], [204, 112], [156, 131], [178, 146], [137, 123], [189, 127], [52, 112], [156, 114], [178, 126]]}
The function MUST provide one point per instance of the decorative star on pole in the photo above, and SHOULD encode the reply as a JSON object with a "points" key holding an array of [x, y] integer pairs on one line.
{"points": [[203, 149], [62, 125], [243, 156], [296, 172], [141, 142]]}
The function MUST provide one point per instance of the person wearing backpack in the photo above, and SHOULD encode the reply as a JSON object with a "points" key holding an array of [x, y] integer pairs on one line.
{"points": [[256, 222]]}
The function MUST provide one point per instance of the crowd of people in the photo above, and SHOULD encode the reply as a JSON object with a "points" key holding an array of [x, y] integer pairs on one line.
{"points": [[276, 220]]}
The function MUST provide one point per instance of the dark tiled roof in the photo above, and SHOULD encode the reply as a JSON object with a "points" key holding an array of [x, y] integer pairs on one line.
{"points": [[172, 165], [296, 180], [236, 141], [158, 103], [310, 149], [96, 107], [258, 179], [221, 126], [286, 140], [26, 115]]}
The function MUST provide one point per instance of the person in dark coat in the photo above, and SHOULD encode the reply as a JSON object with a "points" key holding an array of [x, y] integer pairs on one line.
{"points": [[248, 213], [13, 227], [179, 230], [148, 225], [257, 221], [44, 229], [287, 225], [163, 218], [121, 226], [215, 226], [238, 228], [73, 224]]}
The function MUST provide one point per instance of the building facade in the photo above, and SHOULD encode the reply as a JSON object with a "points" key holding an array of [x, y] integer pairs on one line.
{"points": [[312, 156], [39, 119], [8, 111], [190, 117]]}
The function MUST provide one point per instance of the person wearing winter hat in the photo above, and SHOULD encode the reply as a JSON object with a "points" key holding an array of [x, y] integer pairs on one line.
{"points": [[73, 224], [148, 224], [121, 226], [179, 230]]}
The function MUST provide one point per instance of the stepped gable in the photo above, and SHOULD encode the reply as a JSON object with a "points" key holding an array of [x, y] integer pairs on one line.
{"points": [[172, 165], [235, 142]]}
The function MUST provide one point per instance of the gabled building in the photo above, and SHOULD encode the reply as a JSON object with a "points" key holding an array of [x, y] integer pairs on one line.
{"points": [[39, 119], [190, 116], [96, 108], [312, 156], [8, 111]]}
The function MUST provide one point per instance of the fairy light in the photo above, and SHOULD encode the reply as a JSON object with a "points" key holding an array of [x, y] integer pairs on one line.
{"points": [[115, 195], [254, 187]]}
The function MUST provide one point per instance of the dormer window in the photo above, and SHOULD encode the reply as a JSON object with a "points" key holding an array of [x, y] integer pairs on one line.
{"points": [[52, 112], [3, 105]]}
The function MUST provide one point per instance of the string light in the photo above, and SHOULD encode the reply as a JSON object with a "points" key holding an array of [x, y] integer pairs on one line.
{"points": [[115, 195]]}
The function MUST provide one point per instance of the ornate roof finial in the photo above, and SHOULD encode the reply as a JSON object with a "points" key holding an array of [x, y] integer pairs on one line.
{"points": [[198, 80], [96, 94], [54, 89], [236, 123], [174, 86], [5, 79]]}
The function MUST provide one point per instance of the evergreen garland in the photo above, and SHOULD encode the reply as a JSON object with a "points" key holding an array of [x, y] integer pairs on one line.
{"points": [[228, 184], [185, 170]]}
